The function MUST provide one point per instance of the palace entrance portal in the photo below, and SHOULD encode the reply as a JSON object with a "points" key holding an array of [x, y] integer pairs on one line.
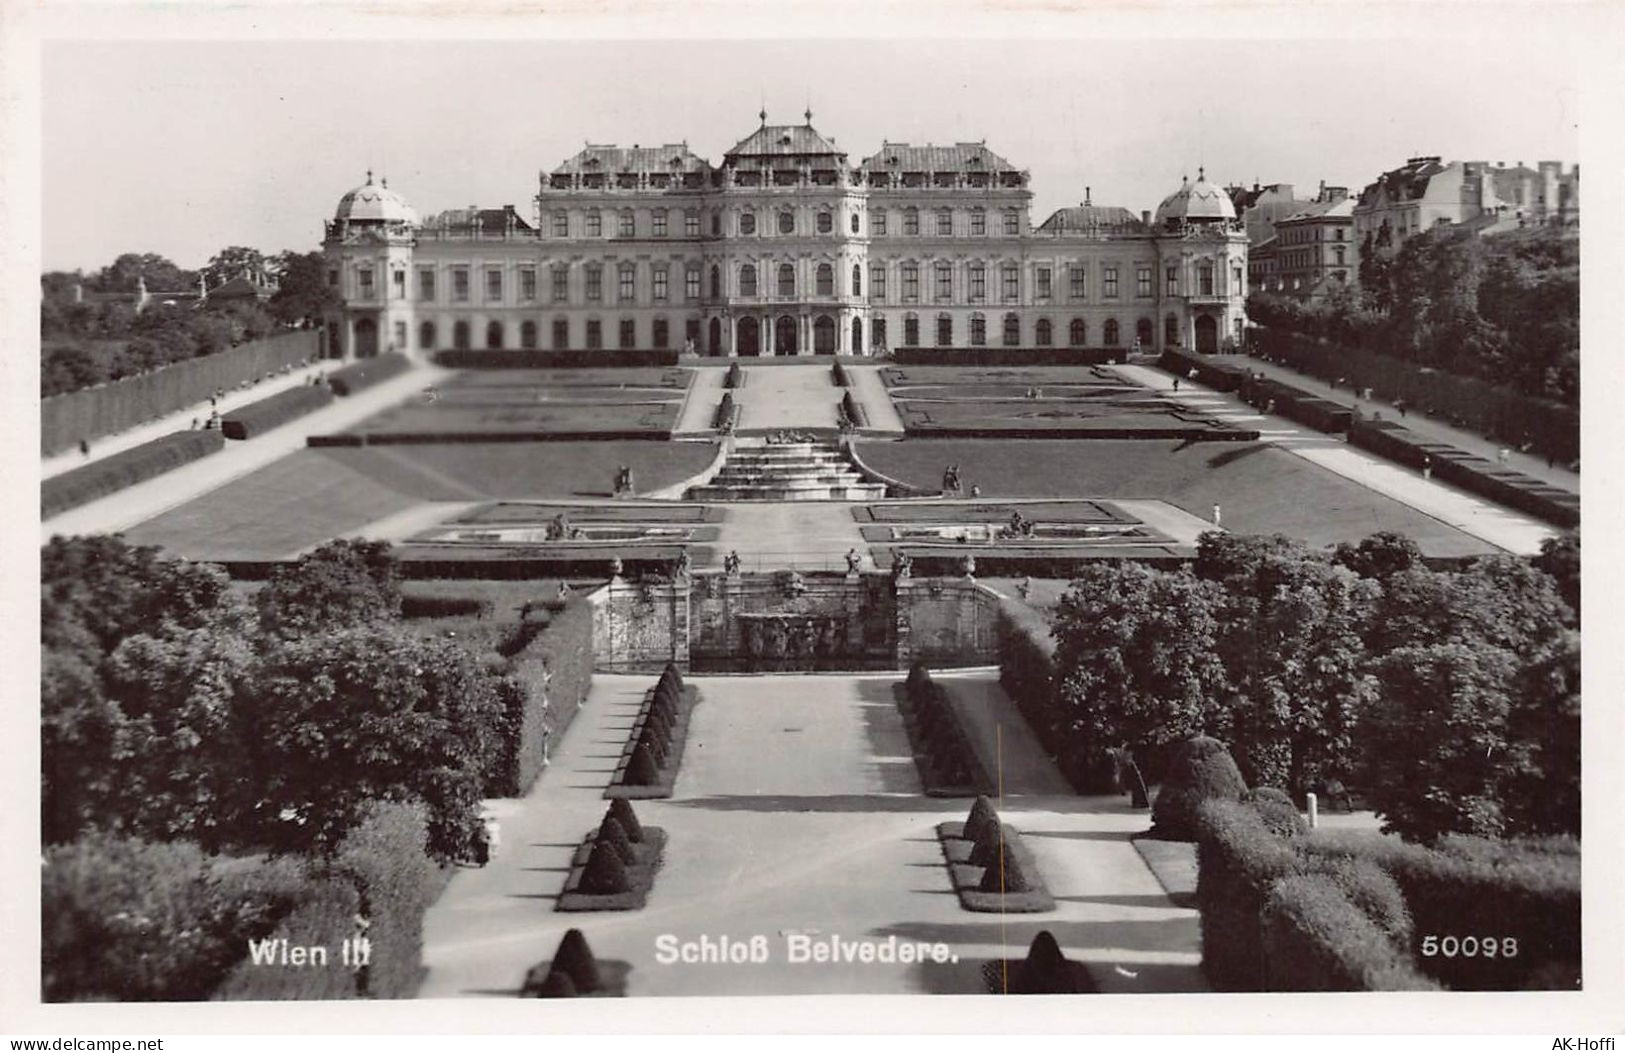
{"points": [[784, 335]]}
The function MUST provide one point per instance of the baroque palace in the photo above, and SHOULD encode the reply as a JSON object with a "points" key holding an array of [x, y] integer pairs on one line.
{"points": [[786, 248]]}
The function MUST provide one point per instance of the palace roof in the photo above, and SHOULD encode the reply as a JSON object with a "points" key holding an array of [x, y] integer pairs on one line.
{"points": [[620, 160], [1092, 219], [960, 157], [487, 222], [784, 140]]}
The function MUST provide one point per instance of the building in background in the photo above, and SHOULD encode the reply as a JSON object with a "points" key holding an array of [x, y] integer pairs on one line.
{"points": [[1427, 192], [1314, 250], [786, 248]]}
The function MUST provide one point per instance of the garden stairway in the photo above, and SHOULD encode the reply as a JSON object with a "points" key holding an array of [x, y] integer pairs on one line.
{"points": [[757, 470]]}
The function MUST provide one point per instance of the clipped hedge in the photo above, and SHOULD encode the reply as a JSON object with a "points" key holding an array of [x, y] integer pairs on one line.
{"points": [[124, 469], [854, 409], [419, 605], [325, 913], [1316, 939], [555, 671], [1296, 404], [1200, 769], [1238, 862], [1528, 894], [727, 413], [1007, 356], [514, 358], [1026, 652], [733, 377], [1217, 373], [837, 373], [257, 418], [367, 372]]}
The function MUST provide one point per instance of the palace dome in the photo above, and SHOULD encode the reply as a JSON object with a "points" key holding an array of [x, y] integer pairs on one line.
{"points": [[374, 203], [1200, 202]]}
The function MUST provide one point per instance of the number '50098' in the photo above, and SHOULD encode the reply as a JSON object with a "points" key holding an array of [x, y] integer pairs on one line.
{"points": [[1470, 946]]}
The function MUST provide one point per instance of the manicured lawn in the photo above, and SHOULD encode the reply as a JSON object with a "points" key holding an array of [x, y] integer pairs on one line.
{"points": [[1019, 377], [530, 512], [1261, 489], [676, 380], [527, 471], [990, 512]]}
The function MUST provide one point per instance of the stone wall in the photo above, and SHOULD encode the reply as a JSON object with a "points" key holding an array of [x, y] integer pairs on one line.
{"points": [[946, 621]]}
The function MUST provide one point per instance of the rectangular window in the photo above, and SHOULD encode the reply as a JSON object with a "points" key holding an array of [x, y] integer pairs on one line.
{"points": [[595, 334], [561, 334], [660, 275], [1236, 285], [625, 284], [911, 221], [332, 277], [527, 284], [627, 228], [877, 222], [1078, 279], [1044, 290], [561, 224], [1011, 279], [659, 219], [1142, 282], [691, 223], [493, 286], [561, 284], [691, 281], [945, 223], [364, 281], [911, 283], [1172, 274], [1012, 222], [459, 284], [877, 282], [978, 283], [945, 331], [978, 331], [911, 331], [400, 284], [945, 282], [426, 285], [1204, 279], [978, 223], [595, 225], [595, 282], [1110, 281], [662, 336], [629, 334]]}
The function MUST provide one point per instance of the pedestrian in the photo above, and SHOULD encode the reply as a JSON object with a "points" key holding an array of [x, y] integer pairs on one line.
{"points": [[1399, 404], [84, 447], [196, 424], [1218, 515], [1427, 467], [1176, 383], [975, 491]]}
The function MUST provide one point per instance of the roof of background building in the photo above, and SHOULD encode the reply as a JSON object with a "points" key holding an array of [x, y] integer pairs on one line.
{"points": [[1092, 219], [1343, 209], [614, 160], [784, 140], [484, 221], [960, 157], [1407, 183]]}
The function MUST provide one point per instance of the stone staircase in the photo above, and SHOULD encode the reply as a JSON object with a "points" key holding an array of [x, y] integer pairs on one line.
{"points": [[794, 471]]}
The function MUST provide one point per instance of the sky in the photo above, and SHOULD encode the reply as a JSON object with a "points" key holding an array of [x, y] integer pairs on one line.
{"points": [[185, 147]]}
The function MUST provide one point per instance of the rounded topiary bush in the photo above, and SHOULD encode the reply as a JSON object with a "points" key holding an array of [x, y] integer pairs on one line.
{"points": [[1372, 889], [1201, 770], [1045, 969], [1270, 793], [1003, 873], [1283, 820], [605, 873], [611, 833], [575, 961], [982, 817], [620, 810], [642, 771]]}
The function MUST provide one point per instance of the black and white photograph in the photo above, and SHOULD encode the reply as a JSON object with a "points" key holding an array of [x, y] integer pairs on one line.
{"points": [[546, 506]]}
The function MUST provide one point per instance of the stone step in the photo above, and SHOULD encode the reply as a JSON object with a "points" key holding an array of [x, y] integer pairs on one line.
{"points": [[860, 492]]}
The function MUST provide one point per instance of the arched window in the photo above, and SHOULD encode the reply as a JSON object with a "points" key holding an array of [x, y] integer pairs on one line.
{"points": [[857, 336], [747, 223], [459, 336], [824, 335], [1012, 330], [1043, 336], [716, 283], [493, 335], [978, 330], [426, 336], [527, 334], [1078, 333], [825, 280], [911, 330], [854, 222], [945, 330], [787, 280], [857, 278], [1170, 330], [1111, 332], [787, 222], [747, 280], [826, 221], [1144, 333]]}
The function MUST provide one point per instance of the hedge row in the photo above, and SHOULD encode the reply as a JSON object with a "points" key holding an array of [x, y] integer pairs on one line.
{"points": [[837, 373], [110, 408], [367, 372], [727, 414], [111, 474], [1338, 927], [555, 670], [417, 605], [257, 418], [854, 411], [1027, 673], [1220, 374], [1472, 473], [380, 873], [514, 358], [948, 765], [1506, 889], [1007, 356], [1550, 427], [733, 377], [1297, 404]]}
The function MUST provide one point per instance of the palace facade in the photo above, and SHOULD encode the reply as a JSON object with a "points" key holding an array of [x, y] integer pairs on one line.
{"points": [[786, 248]]}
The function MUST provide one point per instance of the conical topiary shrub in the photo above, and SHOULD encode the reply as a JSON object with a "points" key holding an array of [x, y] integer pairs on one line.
{"points": [[557, 985], [673, 673], [620, 810], [918, 677], [642, 771], [1045, 970], [668, 692], [1201, 770], [982, 817], [605, 873], [1004, 874], [575, 961], [610, 833], [986, 849], [655, 742]]}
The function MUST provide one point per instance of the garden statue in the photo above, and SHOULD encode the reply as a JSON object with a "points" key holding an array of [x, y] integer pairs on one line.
{"points": [[615, 567], [684, 564], [968, 565], [730, 564], [559, 528], [564, 590], [902, 567], [853, 560]]}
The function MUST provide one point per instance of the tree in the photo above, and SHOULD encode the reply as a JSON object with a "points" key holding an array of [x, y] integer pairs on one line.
{"points": [[231, 263], [303, 292], [125, 274], [1135, 661], [1379, 556], [1542, 793], [341, 583], [68, 368], [1560, 558]]}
